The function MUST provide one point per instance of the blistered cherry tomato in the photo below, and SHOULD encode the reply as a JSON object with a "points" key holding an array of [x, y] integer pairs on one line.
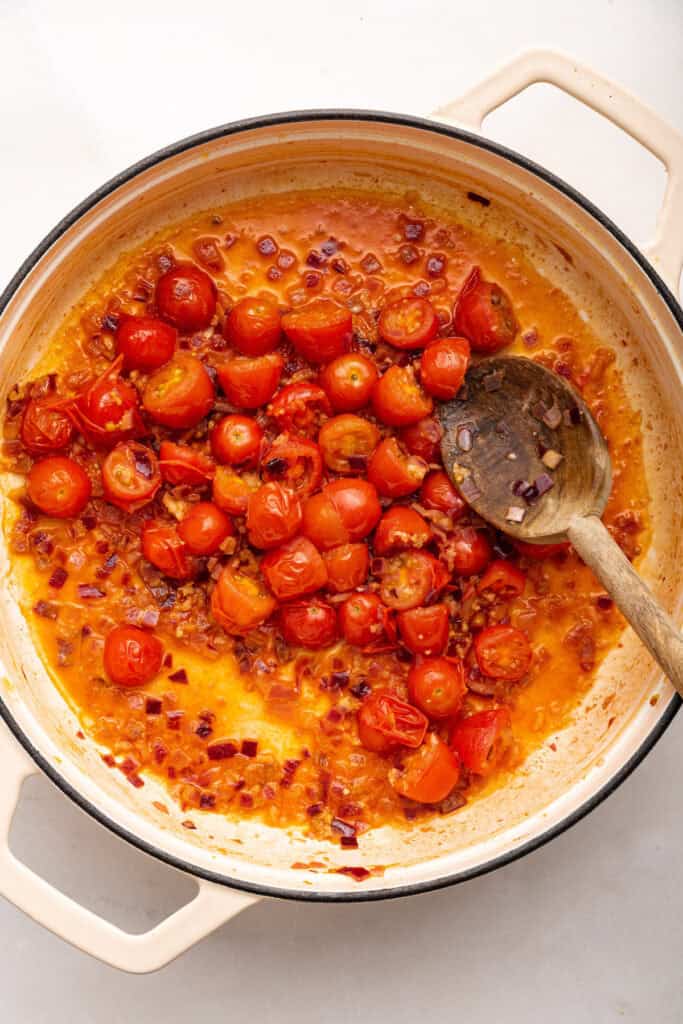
{"points": [[253, 325], [347, 442], [411, 577], [240, 603], [231, 490], [347, 566], [481, 739], [437, 685], [408, 323], [438, 492], [132, 657], [401, 528], [236, 441], [204, 528], [395, 472], [344, 511], [320, 331], [424, 630], [250, 382], [537, 552], [181, 464], [180, 394], [309, 623], [273, 516], [145, 342], [429, 774], [386, 722], [164, 548], [130, 476], [186, 297], [107, 410], [503, 578], [294, 462], [398, 399], [294, 570], [503, 652], [300, 408], [443, 367], [365, 620], [484, 315], [59, 487], [423, 438], [469, 550], [348, 382], [45, 426]]}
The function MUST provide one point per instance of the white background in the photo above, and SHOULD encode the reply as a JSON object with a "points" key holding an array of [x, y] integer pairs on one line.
{"points": [[589, 928]]}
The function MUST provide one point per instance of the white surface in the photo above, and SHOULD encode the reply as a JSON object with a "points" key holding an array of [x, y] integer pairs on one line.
{"points": [[590, 927]]}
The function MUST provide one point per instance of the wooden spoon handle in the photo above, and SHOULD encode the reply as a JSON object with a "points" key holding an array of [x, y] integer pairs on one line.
{"points": [[656, 629]]}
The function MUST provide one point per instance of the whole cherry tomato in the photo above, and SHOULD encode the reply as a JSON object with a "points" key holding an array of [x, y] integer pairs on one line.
{"points": [[204, 528], [469, 550], [425, 630], [145, 342], [107, 410], [320, 331], [537, 552], [240, 603], [386, 722], [186, 297], [309, 623], [503, 578], [59, 487], [250, 382], [484, 315], [503, 652], [295, 462], [180, 394], [181, 464], [45, 426], [481, 739], [294, 570], [253, 325], [231, 490], [410, 578], [132, 657], [164, 548], [130, 476], [273, 516], [364, 620], [437, 685], [443, 367], [348, 382], [300, 408], [423, 438], [438, 492], [429, 774], [345, 510], [401, 528], [347, 442], [347, 566], [236, 440], [398, 399], [394, 472], [408, 323]]}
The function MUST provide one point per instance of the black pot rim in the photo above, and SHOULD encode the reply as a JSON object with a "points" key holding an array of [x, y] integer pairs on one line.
{"points": [[403, 120]]}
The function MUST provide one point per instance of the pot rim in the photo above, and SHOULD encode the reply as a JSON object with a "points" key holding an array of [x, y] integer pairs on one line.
{"points": [[462, 135]]}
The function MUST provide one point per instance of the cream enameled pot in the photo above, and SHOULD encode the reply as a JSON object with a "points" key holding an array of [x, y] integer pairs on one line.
{"points": [[628, 298]]}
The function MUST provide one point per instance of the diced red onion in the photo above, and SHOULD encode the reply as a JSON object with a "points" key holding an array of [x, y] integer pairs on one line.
{"points": [[543, 484], [58, 578], [515, 514], [221, 751]]}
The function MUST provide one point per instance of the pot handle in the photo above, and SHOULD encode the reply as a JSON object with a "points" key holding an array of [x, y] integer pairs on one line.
{"points": [[613, 102], [211, 907]]}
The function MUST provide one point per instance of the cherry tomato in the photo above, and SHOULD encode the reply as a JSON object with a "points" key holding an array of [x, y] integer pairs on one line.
{"points": [[130, 476], [251, 382], [481, 739], [503, 652], [348, 382], [240, 603], [107, 410], [364, 620], [253, 325], [273, 516], [236, 440], [484, 315], [204, 528], [393, 471], [425, 630], [145, 342], [45, 426], [423, 438], [408, 323], [503, 578], [320, 331], [164, 548], [437, 685], [443, 367], [386, 722], [401, 528], [347, 442], [344, 511], [309, 623], [180, 394], [181, 464], [429, 774], [132, 657], [469, 551], [397, 398], [295, 462], [537, 552], [59, 487], [231, 490], [347, 567], [410, 578], [300, 408], [186, 297], [438, 492], [294, 570]]}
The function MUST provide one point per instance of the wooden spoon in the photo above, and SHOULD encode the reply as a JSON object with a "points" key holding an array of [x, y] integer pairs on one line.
{"points": [[504, 434]]}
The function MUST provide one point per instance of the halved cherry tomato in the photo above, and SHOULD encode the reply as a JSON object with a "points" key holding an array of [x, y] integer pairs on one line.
{"points": [[503, 652], [231, 491], [410, 578], [309, 623], [348, 382], [186, 297], [240, 603], [164, 548], [132, 657], [294, 570], [468, 550], [438, 492], [398, 399], [365, 620], [180, 394], [437, 685], [250, 382], [46, 426], [401, 528], [425, 630], [344, 511], [236, 440], [423, 438], [347, 566], [300, 408], [253, 325], [386, 722], [145, 342], [294, 462], [347, 442], [130, 476], [484, 315], [273, 516], [503, 578], [429, 774], [59, 487], [408, 323], [204, 528], [537, 552], [320, 331], [181, 464], [107, 410], [395, 472], [481, 739], [443, 367]]}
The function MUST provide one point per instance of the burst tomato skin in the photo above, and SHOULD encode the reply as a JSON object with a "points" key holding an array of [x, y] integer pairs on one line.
{"points": [[130, 476], [145, 342], [438, 492], [364, 620], [348, 382], [45, 426], [294, 570], [107, 409], [273, 516], [397, 398], [503, 652], [59, 487], [429, 774], [401, 528], [424, 630], [423, 438], [204, 528], [480, 738], [180, 393], [347, 566], [347, 442], [251, 381], [310, 623], [240, 603], [295, 462], [394, 472], [409, 323], [186, 297], [484, 315], [410, 578], [537, 552], [236, 441], [386, 722], [344, 511], [320, 331], [182, 464], [300, 407], [437, 686], [164, 548], [443, 367], [132, 657], [469, 551], [503, 578], [253, 325], [231, 491]]}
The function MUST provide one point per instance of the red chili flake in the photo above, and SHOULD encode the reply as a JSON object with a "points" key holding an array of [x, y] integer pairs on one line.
{"points": [[135, 780], [268, 791], [221, 751], [153, 706], [334, 715], [168, 660], [246, 800], [249, 748], [436, 264], [179, 676], [370, 263], [358, 874], [46, 610], [171, 772], [188, 824], [207, 800], [108, 760], [58, 578], [313, 810], [174, 718], [273, 274], [80, 734], [128, 765], [266, 245], [102, 547], [90, 591]]}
